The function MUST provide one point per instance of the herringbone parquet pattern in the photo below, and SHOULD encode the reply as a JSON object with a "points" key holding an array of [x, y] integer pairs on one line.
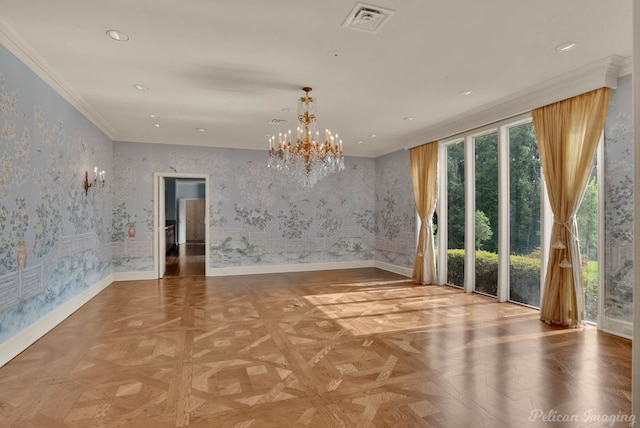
{"points": [[349, 348]]}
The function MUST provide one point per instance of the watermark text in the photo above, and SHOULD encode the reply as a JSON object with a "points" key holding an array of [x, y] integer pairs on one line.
{"points": [[588, 416]]}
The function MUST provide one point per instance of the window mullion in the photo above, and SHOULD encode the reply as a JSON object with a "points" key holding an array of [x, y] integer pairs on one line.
{"points": [[504, 229], [470, 215], [443, 216]]}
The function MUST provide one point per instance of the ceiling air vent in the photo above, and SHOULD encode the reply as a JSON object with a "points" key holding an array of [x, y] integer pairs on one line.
{"points": [[365, 17], [275, 121]]}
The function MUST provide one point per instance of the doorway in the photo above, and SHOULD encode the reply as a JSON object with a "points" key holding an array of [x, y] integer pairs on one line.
{"points": [[181, 217]]}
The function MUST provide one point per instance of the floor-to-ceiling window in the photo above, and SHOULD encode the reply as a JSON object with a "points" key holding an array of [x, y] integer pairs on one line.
{"points": [[502, 228], [588, 221], [455, 213], [493, 191], [486, 213], [525, 189]]}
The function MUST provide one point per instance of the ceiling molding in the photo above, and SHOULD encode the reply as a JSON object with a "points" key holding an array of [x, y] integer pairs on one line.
{"points": [[12, 39], [627, 67], [601, 73]]}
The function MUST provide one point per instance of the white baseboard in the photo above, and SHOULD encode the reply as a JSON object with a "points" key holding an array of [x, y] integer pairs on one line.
{"points": [[300, 267], [134, 276], [262, 269], [25, 338], [618, 328], [408, 272]]}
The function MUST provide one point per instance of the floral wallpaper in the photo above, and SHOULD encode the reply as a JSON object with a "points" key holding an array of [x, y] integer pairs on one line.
{"points": [[394, 217], [619, 204], [54, 239], [257, 216]]}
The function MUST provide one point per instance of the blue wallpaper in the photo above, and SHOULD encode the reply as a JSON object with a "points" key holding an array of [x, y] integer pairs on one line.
{"points": [[258, 216], [395, 211], [618, 130], [54, 239]]}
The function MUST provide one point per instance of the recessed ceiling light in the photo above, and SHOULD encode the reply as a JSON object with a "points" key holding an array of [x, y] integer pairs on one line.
{"points": [[359, 142], [153, 116], [286, 110], [334, 54], [409, 118], [567, 46], [157, 125], [373, 135], [200, 129], [118, 35], [140, 87], [466, 92]]}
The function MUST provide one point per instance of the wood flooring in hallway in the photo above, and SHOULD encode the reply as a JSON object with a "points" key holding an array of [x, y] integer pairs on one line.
{"points": [[343, 348], [185, 260]]}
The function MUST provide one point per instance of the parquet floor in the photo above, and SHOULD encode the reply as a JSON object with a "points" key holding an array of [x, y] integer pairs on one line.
{"points": [[185, 260], [343, 348]]}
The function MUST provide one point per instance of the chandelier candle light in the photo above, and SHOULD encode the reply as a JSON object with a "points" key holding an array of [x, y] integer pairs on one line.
{"points": [[308, 160]]}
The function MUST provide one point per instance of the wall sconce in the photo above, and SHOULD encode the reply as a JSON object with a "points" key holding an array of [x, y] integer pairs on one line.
{"points": [[98, 178]]}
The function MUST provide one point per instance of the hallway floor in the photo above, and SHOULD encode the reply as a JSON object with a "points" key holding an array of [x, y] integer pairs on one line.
{"points": [[186, 260]]}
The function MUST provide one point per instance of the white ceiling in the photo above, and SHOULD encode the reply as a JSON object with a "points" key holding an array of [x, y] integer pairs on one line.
{"points": [[231, 66]]}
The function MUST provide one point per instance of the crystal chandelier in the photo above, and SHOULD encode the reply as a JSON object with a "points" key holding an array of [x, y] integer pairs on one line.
{"points": [[308, 159]]}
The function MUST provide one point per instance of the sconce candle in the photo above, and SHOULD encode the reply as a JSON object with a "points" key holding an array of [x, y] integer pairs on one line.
{"points": [[98, 178]]}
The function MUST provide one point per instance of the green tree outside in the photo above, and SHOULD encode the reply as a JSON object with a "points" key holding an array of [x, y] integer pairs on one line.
{"points": [[483, 229]]}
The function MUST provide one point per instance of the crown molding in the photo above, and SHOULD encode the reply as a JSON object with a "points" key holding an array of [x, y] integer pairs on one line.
{"points": [[627, 67], [12, 39], [602, 73]]}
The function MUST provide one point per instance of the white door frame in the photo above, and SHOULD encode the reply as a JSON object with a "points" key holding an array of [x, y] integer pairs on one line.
{"points": [[158, 216]]}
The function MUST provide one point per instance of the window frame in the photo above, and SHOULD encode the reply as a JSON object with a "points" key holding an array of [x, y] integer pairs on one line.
{"points": [[467, 138], [504, 210]]}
